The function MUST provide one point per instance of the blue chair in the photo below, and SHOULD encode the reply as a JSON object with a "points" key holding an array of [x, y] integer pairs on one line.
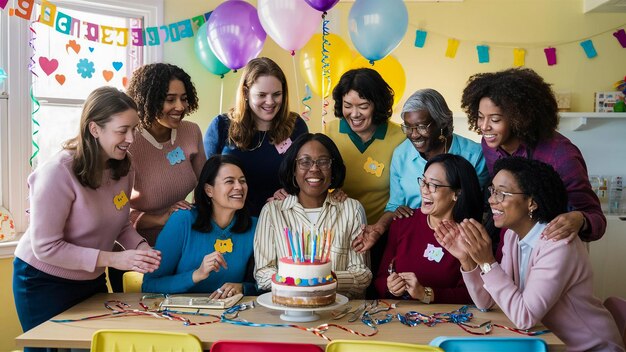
{"points": [[490, 344]]}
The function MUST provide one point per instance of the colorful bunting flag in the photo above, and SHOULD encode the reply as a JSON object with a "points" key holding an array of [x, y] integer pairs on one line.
{"points": [[453, 45], [483, 53], [550, 55], [420, 38], [519, 57]]}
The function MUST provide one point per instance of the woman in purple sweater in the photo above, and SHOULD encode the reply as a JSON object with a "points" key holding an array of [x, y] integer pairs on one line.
{"points": [[78, 209], [539, 280], [413, 265]]}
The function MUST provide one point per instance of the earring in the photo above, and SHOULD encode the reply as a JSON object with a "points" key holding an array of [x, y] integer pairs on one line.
{"points": [[293, 180], [530, 214], [441, 136]]}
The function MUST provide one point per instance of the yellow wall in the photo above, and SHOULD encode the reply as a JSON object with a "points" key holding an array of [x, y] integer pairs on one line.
{"points": [[9, 325], [502, 24]]}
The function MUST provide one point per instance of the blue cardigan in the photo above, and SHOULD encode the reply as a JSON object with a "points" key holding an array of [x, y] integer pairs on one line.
{"points": [[183, 248], [260, 165]]}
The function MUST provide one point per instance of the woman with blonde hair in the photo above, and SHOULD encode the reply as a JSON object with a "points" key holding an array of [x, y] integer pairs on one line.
{"points": [[258, 130]]}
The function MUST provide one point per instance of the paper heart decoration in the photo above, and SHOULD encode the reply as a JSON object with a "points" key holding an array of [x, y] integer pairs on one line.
{"points": [[3, 3], [48, 66], [90, 49], [108, 75], [60, 79], [72, 44], [117, 65], [125, 82]]}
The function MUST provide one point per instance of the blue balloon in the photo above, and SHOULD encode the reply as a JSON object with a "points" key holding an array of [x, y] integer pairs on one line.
{"points": [[205, 55], [377, 27]]}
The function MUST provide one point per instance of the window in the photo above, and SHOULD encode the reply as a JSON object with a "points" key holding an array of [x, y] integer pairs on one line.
{"points": [[60, 108]]}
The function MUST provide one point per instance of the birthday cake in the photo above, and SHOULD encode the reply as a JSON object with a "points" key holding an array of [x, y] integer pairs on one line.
{"points": [[303, 284]]}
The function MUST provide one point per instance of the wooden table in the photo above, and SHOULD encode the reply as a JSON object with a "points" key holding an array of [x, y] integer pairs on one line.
{"points": [[78, 334]]}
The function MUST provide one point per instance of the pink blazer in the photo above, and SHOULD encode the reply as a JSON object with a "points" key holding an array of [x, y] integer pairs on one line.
{"points": [[557, 293]]}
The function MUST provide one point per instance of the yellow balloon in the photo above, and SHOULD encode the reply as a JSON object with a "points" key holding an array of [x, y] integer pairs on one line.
{"points": [[391, 70], [339, 59]]}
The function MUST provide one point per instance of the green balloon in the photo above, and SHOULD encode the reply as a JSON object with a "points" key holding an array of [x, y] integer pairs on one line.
{"points": [[206, 56]]}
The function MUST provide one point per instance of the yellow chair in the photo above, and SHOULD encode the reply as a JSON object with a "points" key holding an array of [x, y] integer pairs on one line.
{"points": [[377, 346], [131, 281], [139, 340]]}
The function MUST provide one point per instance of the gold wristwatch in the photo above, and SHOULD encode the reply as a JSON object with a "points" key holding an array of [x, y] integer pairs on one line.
{"points": [[428, 295]]}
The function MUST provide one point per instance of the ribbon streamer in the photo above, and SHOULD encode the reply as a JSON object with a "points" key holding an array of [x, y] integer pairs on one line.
{"points": [[31, 67], [326, 80], [307, 108]]}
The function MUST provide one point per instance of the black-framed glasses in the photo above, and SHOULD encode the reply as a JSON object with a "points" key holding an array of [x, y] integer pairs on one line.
{"points": [[421, 129], [499, 196], [307, 163], [432, 187]]}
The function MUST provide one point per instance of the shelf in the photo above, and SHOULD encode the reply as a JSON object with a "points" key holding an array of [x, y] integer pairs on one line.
{"points": [[577, 121], [573, 121]]}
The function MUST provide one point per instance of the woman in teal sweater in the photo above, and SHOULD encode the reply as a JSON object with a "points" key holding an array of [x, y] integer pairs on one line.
{"points": [[209, 248]]}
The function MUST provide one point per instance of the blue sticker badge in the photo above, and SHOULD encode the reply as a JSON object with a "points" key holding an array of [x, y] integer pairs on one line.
{"points": [[176, 156]]}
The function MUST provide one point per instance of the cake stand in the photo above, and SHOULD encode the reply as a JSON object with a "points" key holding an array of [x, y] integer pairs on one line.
{"points": [[299, 315]]}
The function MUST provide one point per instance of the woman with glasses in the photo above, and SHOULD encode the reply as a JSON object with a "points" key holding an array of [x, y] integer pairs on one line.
{"points": [[414, 266], [539, 280], [311, 167], [258, 130], [516, 113], [427, 124]]}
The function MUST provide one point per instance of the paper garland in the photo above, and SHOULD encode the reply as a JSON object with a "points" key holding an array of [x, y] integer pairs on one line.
{"points": [[104, 34], [519, 54]]}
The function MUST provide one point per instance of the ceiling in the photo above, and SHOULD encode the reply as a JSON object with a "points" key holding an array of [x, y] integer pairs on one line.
{"points": [[603, 6]]}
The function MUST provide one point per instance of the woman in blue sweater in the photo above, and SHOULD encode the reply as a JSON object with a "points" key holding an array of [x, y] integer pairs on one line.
{"points": [[258, 130], [209, 247]]}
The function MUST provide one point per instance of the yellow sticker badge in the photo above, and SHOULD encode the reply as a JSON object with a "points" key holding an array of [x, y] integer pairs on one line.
{"points": [[120, 200], [373, 167], [224, 246]]}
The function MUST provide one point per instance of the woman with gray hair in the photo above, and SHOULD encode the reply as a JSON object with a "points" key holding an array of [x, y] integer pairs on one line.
{"points": [[427, 123]]}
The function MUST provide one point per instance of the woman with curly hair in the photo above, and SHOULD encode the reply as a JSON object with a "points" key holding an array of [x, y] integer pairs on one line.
{"points": [[258, 130], [168, 154], [539, 280], [516, 113]]}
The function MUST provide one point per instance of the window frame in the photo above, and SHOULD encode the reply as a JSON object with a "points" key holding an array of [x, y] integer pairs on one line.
{"points": [[16, 133]]}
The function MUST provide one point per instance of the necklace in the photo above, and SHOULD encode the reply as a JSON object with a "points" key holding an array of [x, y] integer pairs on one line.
{"points": [[260, 141], [428, 222]]}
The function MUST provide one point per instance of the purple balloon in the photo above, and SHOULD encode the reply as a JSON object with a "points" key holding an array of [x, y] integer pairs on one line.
{"points": [[235, 33], [322, 5]]}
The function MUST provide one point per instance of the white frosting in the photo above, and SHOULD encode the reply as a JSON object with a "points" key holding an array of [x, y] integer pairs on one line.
{"points": [[317, 270]]}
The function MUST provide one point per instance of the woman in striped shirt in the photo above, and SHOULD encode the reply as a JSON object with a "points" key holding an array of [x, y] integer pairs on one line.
{"points": [[312, 167]]}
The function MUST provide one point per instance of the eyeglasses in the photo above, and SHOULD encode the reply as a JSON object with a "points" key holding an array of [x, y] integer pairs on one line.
{"points": [[421, 129], [307, 163], [432, 187], [499, 196]]}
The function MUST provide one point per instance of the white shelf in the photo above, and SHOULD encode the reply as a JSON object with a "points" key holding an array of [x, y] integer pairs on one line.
{"points": [[573, 121], [576, 121]]}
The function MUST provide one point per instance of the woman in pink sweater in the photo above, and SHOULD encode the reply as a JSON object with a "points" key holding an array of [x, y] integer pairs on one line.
{"points": [[168, 154], [539, 280], [78, 209]]}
